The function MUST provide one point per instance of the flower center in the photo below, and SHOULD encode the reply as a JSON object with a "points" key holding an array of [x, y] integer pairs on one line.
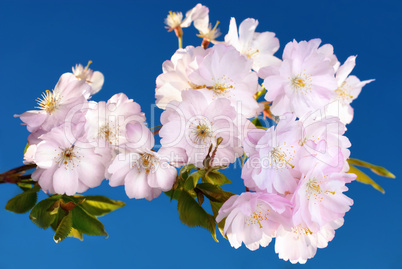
{"points": [[48, 102], [202, 133], [147, 162], [257, 216], [279, 158], [343, 94], [301, 83], [300, 231], [106, 132], [67, 157]]}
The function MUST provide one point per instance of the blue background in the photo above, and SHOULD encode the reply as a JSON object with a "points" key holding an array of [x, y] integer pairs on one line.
{"points": [[126, 40]]}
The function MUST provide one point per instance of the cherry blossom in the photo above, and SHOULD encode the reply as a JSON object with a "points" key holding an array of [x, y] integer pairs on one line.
{"points": [[143, 172], [253, 218], [273, 157], [106, 121], [55, 105], [349, 87], [319, 198], [196, 123], [304, 81], [66, 167], [299, 244]]}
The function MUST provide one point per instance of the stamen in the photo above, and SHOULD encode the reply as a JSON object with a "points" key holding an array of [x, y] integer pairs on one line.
{"points": [[257, 216], [301, 83], [48, 102], [278, 157]]}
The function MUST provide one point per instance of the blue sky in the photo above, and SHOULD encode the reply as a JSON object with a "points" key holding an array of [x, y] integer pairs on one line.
{"points": [[126, 40]]}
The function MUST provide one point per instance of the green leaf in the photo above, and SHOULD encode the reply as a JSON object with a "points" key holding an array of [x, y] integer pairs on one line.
{"points": [[215, 209], [43, 214], [257, 123], [192, 179], [100, 205], [217, 178], [64, 228], [26, 148], [76, 234], [379, 170], [363, 178], [192, 214], [213, 192], [87, 224], [173, 194], [23, 202]]}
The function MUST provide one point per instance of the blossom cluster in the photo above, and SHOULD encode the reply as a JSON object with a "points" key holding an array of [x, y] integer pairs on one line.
{"points": [[76, 143], [296, 169]]}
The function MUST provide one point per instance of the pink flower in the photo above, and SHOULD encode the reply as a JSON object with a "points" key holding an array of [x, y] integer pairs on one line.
{"points": [[218, 72], [272, 159], [299, 244], [319, 198], [253, 218], [106, 121], [196, 123], [303, 82], [66, 166], [68, 94], [143, 172]]}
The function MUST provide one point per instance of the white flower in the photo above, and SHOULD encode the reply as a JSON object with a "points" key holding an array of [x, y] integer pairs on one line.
{"points": [[300, 244]]}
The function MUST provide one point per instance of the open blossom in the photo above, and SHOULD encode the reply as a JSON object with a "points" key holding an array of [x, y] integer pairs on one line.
{"points": [[143, 172], [304, 81], [196, 123], [220, 71], [323, 140], [273, 157], [55, 105], [94, 79], [349, 87], [253, 218], [319, 198], [260, 47], [299, 244], [65, 166], [106, 121]]}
